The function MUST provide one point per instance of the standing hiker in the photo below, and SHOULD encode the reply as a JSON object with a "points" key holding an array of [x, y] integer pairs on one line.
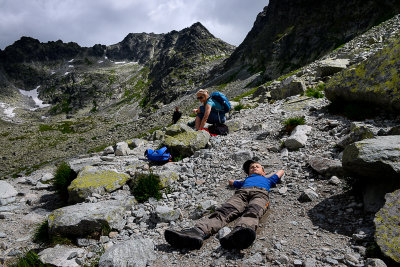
{"points": [[250, 202]]}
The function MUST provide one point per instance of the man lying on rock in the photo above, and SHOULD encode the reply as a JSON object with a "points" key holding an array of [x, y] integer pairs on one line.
{"points": [[250, 202]]}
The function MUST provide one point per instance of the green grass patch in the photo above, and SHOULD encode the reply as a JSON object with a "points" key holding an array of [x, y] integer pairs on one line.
{"points": [[248, 93], [146, 186], [30, 259], [63, 178], [291, 123], [314, 92], [281, 78], [41, 234]]}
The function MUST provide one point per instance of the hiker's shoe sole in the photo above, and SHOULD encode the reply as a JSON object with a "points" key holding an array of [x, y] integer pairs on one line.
{"points": [[238, 239], [180, 240]]}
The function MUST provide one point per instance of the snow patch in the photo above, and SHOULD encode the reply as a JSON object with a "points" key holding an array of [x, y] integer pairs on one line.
{"points": [[72, 60], [7, 110], [120, 62], [70, 66], [35, 96], [66, 73], [100, 61]]}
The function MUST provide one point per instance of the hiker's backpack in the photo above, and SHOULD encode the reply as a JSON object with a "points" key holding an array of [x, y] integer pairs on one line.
{"points": [[218, 129], [158, 155], [223, 100]]}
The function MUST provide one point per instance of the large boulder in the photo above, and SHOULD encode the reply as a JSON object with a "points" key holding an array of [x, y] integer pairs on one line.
{"points": [[7, 193], [186, 143], [86, 218], [376, 157], [91, 180], [374, 82], [387, 225], [329, 67], [289, 87], [326, 167], [376, 162], [138, 252], [358, 132]]}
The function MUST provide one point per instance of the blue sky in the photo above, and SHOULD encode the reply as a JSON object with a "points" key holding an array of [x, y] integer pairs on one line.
{"points": [[89, 22]]}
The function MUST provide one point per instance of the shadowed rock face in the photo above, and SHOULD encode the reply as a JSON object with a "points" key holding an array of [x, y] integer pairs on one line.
{"points": [[288, 34]]}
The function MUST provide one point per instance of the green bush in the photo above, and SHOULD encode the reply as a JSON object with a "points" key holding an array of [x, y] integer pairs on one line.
{"points": [[146, 186], [314, 92], [42, 233], [29, 260], [291, 123], [239, 107], [63, 178]]}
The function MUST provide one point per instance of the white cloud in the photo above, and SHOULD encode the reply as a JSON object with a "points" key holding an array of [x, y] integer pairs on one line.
{"points": [[89, 22]]}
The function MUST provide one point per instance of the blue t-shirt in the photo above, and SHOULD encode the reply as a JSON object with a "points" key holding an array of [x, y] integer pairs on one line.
{"points": [[257, 180], [215, 105]]}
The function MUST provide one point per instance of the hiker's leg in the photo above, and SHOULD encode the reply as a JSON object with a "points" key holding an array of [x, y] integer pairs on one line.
{"points": [[224, 214], [258, 205], [199, 117]]}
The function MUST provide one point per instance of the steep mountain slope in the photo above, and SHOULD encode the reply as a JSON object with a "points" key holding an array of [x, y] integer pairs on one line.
{"points": [[288, 34]]}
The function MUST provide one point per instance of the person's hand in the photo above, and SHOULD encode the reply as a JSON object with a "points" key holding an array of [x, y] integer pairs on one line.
{"points": [[231, 182], [195, 111]]}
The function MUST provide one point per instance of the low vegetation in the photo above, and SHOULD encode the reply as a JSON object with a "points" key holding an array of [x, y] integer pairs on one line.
{"points": [[146, 186], [316, 92], [291, 123], [30, 259], [63, 178]]}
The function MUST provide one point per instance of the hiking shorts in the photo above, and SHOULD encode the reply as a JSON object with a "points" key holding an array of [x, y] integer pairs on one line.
{"points": [[214, 117]]}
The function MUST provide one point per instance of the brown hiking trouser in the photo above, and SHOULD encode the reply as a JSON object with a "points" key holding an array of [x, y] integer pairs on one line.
{"points": [[249, 202]]}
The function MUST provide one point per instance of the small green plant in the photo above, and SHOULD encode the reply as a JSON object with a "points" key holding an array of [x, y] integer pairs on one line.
{"points": [[30, 259], [291, 123], [239, 107], [41, 234], [313, 92], [63, 178], [146, 186]]}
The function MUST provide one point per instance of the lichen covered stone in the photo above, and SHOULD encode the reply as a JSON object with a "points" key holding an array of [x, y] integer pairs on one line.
{"points": [[387, 224], [90, 180], [374, 82]]}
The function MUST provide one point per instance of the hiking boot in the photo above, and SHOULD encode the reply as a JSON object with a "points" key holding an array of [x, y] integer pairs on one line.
{"points": [[191, 238], [239, 238]]}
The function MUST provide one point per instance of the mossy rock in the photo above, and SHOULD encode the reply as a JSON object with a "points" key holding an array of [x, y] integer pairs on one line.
{"points": [[374, 82], [90, 180], [185, 144], [387, 224]]}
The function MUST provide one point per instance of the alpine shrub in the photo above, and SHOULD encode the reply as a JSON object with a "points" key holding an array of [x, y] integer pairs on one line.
{"points": [[30, 259], [42, 233], [291, 123], [146, 186], [63, 178]]}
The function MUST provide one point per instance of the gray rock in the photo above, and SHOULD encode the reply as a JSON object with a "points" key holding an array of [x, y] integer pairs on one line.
{"points": [[60, 256], [377, 157], [298, 137], [122, 149], [93, 180], [108, 150], [358, 132], [167, 214], [308, 195], [387, 225], [289, 87], [187, 143], [7, 193], [374, 263], [241, 156], [326, 167], [86, 218], [257, 258], [329, 67], [138, 252], [334, 180], [234, 125], [177, 129]]}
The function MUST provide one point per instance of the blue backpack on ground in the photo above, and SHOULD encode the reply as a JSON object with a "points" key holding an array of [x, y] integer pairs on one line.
{"points": [[159, 155], [223, 100]]}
